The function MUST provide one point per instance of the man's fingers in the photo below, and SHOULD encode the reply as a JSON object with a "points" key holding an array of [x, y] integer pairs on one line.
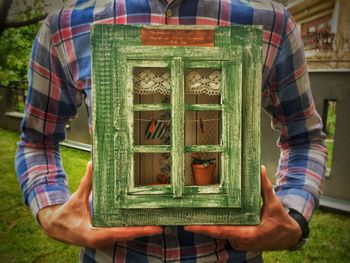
{"points": [[266, 187], [86, 182]]}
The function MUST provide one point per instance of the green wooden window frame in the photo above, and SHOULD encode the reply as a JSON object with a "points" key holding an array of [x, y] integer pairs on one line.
{"points": [[225, 194], [116, 200]]}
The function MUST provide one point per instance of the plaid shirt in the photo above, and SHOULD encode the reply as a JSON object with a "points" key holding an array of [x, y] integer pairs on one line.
{"points": [[60, 74]]}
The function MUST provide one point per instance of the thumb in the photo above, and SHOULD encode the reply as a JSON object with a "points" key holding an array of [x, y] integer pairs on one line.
{"points": [[266, 187], [86, 182]]}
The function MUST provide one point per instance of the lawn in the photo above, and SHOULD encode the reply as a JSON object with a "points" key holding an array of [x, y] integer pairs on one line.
{"points": [[21, 240], [330, 144]]}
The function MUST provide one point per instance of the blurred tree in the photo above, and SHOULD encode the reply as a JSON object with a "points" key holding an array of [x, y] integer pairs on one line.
{"points": [[19, 24], [18, 27], [15, 46], [18, 13], [4, 8]]}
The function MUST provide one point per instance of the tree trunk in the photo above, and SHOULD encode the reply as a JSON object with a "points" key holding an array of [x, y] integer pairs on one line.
{"points": [[4, 8]]}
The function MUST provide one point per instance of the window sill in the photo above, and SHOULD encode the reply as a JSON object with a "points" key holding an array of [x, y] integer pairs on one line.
{"points": [[14, 114]]}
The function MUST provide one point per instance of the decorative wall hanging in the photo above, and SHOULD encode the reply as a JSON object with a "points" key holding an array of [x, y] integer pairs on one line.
{"points": [[167, 99]]}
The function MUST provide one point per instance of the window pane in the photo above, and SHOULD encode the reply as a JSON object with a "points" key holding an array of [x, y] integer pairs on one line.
{"points": [[203, 86], [151, 85], [152, 128], [203, 128], [151, 169], [202, 168]]}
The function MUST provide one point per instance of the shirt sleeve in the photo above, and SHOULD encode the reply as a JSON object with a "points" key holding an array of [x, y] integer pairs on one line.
{"points": [[50, 103], [287, 97]]}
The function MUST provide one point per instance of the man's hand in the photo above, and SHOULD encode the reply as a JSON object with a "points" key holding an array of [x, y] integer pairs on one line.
{"points": [[276, 231], [71, 222]]}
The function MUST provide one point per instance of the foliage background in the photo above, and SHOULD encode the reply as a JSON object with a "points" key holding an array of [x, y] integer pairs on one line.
{"points": [[15, 43], [15, 47]]}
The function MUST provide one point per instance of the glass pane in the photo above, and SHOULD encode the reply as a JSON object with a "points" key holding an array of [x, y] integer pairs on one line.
{"points": [[152, 128], [202, 168], [203, 86], [151, 85], [203, 128], [151, 169]]}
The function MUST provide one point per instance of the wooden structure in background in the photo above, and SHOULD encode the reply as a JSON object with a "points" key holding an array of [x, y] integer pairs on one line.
{"points": [[324, 27]]}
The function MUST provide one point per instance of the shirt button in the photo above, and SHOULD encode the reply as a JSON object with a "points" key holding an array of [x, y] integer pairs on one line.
{"points": [[167, 230], [169, 12]]}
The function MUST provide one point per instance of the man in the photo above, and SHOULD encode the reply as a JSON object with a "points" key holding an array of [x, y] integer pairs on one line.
{"points": [[60, 74]]}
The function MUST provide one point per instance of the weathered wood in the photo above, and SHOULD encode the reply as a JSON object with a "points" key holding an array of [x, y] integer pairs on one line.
{"points": [[251, 91], [232, 96], [204, 107], [151, 107], [152, 148], [203, 200], [207, 64], [199, 55], [179, 216], [204, 148], [177, 131], [116, 51]]}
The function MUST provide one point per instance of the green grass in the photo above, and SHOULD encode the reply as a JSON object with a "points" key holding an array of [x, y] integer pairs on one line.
{"points": [[21, 240], [330, 144]]}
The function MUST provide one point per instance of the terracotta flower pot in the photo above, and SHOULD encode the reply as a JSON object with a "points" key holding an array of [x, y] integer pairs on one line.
{"points": [[203, 175]]}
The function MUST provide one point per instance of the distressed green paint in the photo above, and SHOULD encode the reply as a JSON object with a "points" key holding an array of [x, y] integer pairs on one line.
{"points": [[251, 126], [208, 64], [177, 130], [178, 117], [203, 107], [123, 130], [210, 189], [152, 107], [127, 56], [167, 54], [204, 148], [150, 63], [196, 201], [152, 149], [232, 130], [102, 77], [166, 189], [116, 50], [167, 216], [151, 190]]}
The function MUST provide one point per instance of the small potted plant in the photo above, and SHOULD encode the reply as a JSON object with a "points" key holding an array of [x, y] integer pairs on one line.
{"points": [[202, 170]]}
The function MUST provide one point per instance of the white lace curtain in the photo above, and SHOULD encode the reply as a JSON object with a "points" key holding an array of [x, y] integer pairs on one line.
{"points": [[149, 81]]}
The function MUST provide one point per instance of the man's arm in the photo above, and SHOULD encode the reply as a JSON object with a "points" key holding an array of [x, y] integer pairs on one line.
{"points": [[290, 103], [52, 100], [50, 104]]}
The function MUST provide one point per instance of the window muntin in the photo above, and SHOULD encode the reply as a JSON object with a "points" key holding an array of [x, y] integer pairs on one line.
{"points": [[224, 186]]}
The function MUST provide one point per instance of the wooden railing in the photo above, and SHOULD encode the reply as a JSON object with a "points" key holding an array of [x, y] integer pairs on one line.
{"points": [[321, 41]]}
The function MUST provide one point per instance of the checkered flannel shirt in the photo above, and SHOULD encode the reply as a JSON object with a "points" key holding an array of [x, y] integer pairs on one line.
{"points": [[60, 81]]}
